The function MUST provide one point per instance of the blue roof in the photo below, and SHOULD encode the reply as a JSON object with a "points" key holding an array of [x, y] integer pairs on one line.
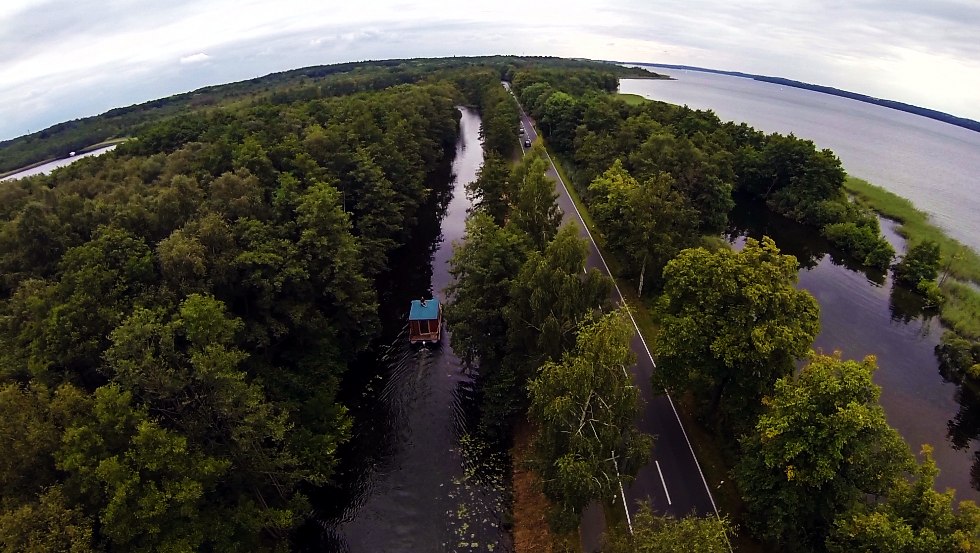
{"points": [[429, 311]]}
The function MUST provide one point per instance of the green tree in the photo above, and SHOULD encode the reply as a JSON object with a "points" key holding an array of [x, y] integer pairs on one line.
{"points": [[491, 190], [47, 525], [533, 209], [549, 299], [915, 518], [733, 324], [821, 446], [920, 263], [483, 266], [648, 223], [145, 486], [665, 534], [585, 407]]}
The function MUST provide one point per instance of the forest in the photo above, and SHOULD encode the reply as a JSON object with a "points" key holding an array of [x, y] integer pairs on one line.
{"points": [[178, 316]]}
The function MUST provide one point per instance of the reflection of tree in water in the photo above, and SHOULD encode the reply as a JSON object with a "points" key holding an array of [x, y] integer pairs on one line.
{"points": [[963, 428], [753, 220], [907, 306]]}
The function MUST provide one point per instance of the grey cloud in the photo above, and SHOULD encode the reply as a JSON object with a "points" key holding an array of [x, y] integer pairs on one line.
{"points": [[50, 24]]}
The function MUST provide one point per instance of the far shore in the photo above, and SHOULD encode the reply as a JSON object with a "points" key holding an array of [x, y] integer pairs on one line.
{"points": [[84, 150]]}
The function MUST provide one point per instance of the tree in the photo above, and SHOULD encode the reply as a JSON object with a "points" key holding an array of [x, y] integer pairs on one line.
{"points": [[647, 223], [819, 448], [483, 266], [915, 518], [665, 534], [733, 324], [920, 263], [49, 524], [491, 190], [533, 209], [585, 407], [144, 485], [549, 299]]}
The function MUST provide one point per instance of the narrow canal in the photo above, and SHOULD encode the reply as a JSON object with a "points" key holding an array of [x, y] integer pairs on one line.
{"points": [[415, 479]]}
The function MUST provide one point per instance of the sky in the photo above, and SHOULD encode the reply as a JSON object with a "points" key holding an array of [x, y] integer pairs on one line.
{"points": [[65, 59]]}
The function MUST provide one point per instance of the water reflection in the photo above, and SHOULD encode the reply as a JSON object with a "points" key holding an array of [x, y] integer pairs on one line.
{"points": [[414, 476], [862, 313]]}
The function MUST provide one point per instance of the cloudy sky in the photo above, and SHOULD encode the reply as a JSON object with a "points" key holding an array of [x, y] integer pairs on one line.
{"points": [[63, 59]]}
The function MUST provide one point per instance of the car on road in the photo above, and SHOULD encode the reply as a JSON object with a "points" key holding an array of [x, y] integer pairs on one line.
{"points": [[522, 130], [527, 142]]}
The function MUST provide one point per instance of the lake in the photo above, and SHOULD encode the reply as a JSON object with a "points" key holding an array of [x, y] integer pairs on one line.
{"points": [[862, 313], [935, 165], [46, 168]]}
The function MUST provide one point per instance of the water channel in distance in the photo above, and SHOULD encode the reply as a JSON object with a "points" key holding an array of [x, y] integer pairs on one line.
{"points": [[46, 168], [933, 164], [413, 479]]}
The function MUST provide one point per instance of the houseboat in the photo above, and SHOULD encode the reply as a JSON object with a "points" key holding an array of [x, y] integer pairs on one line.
{"points": [[425, 321]]}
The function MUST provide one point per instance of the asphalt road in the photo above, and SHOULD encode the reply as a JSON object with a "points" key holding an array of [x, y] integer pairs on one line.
{"points": [[673, 481]]}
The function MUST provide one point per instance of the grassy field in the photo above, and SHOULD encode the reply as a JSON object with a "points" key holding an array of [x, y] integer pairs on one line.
{"points": [[961, 312], [632, 99]]}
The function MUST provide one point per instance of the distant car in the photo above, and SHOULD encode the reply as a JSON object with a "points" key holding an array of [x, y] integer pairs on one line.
{"points": [[522, 129], [527, 142]]}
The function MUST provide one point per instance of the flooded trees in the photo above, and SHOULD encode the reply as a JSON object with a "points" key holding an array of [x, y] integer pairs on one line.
{"points": [[820, 447]]}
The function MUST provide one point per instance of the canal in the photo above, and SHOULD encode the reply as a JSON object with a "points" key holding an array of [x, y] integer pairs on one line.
{"points": [[414, 477]]}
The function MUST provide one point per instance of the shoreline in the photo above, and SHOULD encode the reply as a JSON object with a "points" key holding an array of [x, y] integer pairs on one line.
{"points": [[960, 270], [929, 113], [85, 150]]}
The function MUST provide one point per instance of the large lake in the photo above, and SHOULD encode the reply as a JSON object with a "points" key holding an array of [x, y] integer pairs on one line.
{"points": [[929, 162], [935, 165]]}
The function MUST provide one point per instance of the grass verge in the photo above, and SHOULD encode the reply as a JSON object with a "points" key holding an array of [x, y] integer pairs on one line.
{"points": [[961, 312], [964, 263]]}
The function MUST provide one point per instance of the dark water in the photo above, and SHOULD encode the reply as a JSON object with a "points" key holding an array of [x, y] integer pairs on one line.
{"points": [[933, 164], [52, 165], [862, 313], [415, 480]]}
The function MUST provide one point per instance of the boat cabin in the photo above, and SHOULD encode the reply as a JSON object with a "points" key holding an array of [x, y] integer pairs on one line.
{"points": [[425, 321]]}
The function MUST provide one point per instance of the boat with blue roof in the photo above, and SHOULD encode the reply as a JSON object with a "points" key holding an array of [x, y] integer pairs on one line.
{"points": [[425, 321]]}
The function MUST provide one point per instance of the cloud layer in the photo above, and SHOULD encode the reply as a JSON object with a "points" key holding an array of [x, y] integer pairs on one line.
{"points": [[62, 59]]}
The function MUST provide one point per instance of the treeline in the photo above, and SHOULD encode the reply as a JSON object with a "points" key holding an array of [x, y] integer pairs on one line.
{"points": [[817, 466], [549, 348], [176, 318], [900, 106], [543, 338], [302, 84], [705, 160]]}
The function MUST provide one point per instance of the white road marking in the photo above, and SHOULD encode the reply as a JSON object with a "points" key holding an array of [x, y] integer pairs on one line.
{"points": [[637, 327], [622, 300], [662, 481]]}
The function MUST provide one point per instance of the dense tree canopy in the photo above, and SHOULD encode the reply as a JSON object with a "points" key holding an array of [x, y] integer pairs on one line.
{"points": [[176, 317], [820, 447], [915, 518], [585, 406], [708, 160], [733, 324]]}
